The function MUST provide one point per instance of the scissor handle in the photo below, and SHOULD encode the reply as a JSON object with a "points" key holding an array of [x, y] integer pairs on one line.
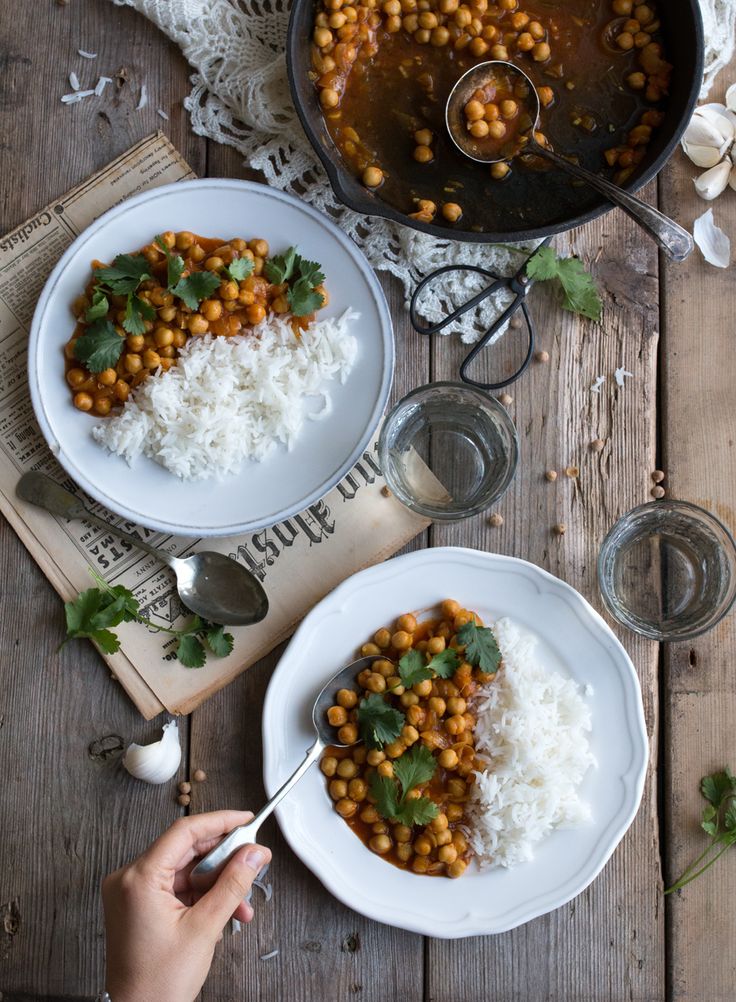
{"points": [[480, 345], [469, 305]]}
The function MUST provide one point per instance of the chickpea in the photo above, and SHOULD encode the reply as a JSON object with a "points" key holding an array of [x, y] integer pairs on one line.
{"points": [[479, 129], [622, 7], [346, 698], [360, 754], [509, 109], [408, 699], [450, 607], [151, 359], [422, 846], [637, 81], [395, 749], [491, 112], [519, 21], [423, 137], [329, 98], [428, 20], [375, 756], [75, 377], [422, 36], [197, 324], [478, 46], [541, 52], [386, 769], [423, 689], [255, 313], [83, 401], [328, 765], [474, 112], [449, 6], [525, 42], [337, 716], [132, 363], [409, 734], [456, 787], [452, 212], [357, 790], [536, 30], [500, 52], [121, 390], [164, 337], [455, 725], [443, 838], [454, 812], [404, 851], [402, 833], [346, 768], [338, 789], [459, 840], [346, 807], [456, 704], [229, 290], [410, 23], [401, 640], [102, 405], [423, 154], [337, 20], [447, 854], [184, 240], [380, 844], [439, 823], [384, 667], [420, 864], [625, 41], [367, 649], [369, 814], [382, 638], [448, 759], [392, 7], [372, 177], [440, 36], [135, 342], [500, 170], [436, 645], [375, 682], [347, 734], [438, 706], [197, 253], [322, 37], [457, 869], [416, 716]]}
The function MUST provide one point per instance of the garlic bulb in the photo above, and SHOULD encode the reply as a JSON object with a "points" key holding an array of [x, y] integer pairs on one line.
{"points": [[710, 142], [157, 762]]}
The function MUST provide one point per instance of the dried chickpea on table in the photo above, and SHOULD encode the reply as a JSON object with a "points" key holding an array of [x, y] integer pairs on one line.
{"points": [[137, 314], [403, 782], [383, 71]]}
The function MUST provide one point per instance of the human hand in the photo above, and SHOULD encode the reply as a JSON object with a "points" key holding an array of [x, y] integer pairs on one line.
{"points": [[161, 934]]}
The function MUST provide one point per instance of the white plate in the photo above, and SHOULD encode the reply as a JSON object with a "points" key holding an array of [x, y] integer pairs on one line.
{"points": [[262, 493], [572, 638]]}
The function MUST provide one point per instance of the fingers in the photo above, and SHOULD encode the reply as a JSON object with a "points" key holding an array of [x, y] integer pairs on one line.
{"points": [[191, 837], [225, 898]]}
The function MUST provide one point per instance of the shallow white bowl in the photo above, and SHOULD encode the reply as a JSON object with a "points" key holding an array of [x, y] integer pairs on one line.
{"points": [[572, 639], [261, 493]]}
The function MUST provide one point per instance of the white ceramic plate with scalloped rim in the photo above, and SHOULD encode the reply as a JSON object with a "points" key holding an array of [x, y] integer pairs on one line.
{"points": [[572, 639], [261, 493]]}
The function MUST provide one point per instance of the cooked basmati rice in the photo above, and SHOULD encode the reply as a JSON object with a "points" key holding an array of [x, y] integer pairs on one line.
{"points": [[231, 399], [532, 726]]}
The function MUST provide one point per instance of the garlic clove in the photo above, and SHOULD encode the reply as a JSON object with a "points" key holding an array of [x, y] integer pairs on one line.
{"points": [[157, 762], [703, 156], [732, 175], [731, 98], [712, 241], [701, 132], [720, 118], [712, 182]]}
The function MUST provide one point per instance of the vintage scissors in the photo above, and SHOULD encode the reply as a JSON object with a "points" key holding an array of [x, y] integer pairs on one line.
{"points": [[518, 284]]}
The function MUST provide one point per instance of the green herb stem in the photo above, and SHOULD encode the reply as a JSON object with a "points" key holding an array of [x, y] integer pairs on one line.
{"points": [[684, 879]]}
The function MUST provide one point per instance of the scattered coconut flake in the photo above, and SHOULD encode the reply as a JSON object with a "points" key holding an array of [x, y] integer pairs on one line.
{"points": [[599, 381], [712, 241], [268, 956], [87, 55], [73, 81], [75, 96], [162, 114], [143, 99], [101, 84], [619, 375]]}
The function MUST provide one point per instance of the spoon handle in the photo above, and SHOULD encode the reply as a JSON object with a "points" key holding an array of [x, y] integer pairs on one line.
{"points": [[38, 489], [675, 241], [203, 873]]}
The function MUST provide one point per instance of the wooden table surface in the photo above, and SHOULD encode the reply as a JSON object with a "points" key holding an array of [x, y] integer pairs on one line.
{"points": [[66, 817]]}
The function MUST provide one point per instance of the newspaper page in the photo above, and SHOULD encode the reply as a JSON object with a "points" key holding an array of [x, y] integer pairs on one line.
{"points": [[298, 561]]}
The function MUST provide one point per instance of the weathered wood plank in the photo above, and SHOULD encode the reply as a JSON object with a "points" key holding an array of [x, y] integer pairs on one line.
{"points": [[66, 816], [698, 379], [609, 942]]}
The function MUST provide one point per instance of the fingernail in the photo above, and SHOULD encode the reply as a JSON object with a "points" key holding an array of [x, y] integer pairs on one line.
{"points": [[255, 857]]}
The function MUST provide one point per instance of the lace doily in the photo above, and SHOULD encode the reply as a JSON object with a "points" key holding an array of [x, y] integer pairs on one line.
{"points": [[240, 96]]}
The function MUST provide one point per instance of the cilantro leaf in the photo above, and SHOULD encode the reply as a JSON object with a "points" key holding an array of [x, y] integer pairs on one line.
{"points": [[716, 787], [729, 819], [379, 723], [190, 651], [219, 642], [99, 347], [579, 291], [414, 767], [419, 811], [240, 268], [198, 286], [107, 641], [79, 612], [310, 271], [383, 789], [99, 307], [137, 311], [480, 645], [412, 668], [91, 614], [445, 664], [303, 299], [279, 268], [124, 275], [174, 264]]}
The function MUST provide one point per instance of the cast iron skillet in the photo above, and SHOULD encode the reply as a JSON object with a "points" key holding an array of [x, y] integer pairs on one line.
{"points": [[537, 204]]}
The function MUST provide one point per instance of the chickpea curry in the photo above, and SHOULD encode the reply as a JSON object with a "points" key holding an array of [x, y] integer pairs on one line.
{"points": [[136, 315], [404, 780], [383, 70]]}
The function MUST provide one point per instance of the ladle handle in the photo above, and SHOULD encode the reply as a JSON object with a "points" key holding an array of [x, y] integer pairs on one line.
{"points": [[675, 241], [209, 866]]}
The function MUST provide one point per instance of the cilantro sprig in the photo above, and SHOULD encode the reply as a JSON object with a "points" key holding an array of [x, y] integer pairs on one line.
{"points": [[412, 667], [196, 287], [174, 263], [412, 769], [718, 821], [240, 268], [480, 645], [579, 291], [301, 276], [95, 612], [122, 278], [379, 723], [100, 346]]}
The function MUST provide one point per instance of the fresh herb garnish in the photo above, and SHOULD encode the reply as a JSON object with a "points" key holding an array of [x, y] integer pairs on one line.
{"points": [[239, 268], [99, 347], [379, 723], [99, 307], [302, 277], [412, 668], [718, 820], [124, 275], [412, 769], [579, 291], [137, 311], [196, 287], [445, 664], [174, 264], [96, 611], [480, 645]]}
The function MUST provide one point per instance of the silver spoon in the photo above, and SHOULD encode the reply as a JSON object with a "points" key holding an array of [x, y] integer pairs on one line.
{"points": [[204, 872], [675, 241], [211, 584]]}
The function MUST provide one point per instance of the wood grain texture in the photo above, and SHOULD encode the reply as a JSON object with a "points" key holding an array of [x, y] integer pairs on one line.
{"points": [[607, 944], [699, 457]]}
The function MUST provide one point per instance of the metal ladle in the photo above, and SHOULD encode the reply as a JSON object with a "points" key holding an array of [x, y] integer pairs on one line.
{"points": [[675, 241], [203, 874], [211, 584]]}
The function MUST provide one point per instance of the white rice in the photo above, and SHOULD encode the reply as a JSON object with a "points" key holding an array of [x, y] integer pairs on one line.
{"points": [[532, 730], [231, 399]]}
